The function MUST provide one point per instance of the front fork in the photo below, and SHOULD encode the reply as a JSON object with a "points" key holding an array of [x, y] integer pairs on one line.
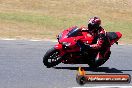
{"points": [[60, 48], [65, 49]]}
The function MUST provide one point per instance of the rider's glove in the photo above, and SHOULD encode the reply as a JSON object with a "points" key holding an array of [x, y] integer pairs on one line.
{"points": [[87, 46], [83, 47]]}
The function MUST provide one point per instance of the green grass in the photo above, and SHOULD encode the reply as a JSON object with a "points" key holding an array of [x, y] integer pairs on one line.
{"points": [[44, 20], [47, 26], [30, 18], [39, 19], [124, 27]]}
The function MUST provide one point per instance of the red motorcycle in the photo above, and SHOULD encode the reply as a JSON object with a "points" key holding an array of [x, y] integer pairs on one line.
{"points": [[67, 50]]}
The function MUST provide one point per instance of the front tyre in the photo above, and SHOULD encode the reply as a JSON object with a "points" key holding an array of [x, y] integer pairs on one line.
{"points": [[51, 58]]}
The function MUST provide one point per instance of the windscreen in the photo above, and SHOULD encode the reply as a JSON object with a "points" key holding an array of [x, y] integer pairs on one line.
{"points": [[74, 32]]}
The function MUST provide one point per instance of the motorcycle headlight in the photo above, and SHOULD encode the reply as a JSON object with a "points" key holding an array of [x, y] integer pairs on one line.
{"points": [[66, 43], [60, 36]]}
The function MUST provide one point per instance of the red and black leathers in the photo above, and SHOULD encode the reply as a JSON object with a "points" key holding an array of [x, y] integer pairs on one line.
{"points": [[100, 42], [99, 37]]}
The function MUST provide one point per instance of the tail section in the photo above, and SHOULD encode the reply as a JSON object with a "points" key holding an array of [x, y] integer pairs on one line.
{"points": [[119, 34]]}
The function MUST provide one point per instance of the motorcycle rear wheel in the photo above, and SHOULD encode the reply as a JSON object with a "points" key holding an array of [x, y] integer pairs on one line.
{"points": [[96, 64], [51, 58]]}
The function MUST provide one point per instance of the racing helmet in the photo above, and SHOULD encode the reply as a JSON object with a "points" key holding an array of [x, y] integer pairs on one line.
{"points": [[94, 23]]}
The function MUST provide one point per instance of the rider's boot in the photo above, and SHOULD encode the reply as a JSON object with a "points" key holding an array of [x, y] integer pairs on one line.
{"points": [[99, 58]]}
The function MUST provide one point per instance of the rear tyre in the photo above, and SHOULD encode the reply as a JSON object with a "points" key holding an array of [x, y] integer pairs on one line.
{"points": [[92, 64], [51, 58], [96, 64]]}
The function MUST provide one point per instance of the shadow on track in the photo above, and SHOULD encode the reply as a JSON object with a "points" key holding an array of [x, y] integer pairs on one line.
{"points": [[100, 69]]}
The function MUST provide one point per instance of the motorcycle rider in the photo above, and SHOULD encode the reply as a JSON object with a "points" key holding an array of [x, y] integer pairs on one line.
{"points": [[100, 41]]}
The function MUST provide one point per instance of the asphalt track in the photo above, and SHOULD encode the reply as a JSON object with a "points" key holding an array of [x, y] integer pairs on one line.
{"points": [[21, 66]]}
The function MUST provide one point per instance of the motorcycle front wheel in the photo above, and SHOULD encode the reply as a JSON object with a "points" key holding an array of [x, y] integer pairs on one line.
{"points": [[51, 58]]}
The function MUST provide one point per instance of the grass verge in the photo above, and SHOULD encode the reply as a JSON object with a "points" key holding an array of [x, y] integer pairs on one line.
{"points": [[37, 19]]}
